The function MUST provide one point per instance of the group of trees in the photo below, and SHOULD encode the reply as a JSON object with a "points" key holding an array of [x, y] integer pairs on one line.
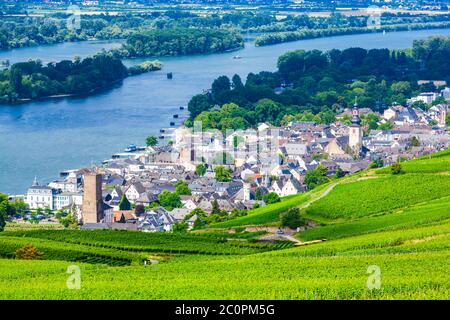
{"points": [[171, 200], [315, 86], [223, 174], [179, 41], [32, 80], [10, 208]]}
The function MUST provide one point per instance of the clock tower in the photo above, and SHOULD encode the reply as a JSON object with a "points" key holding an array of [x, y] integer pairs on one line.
{"points": [[356, 133]]}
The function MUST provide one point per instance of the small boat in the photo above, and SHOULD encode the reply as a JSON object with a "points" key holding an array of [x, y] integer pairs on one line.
{"points": [[169, 75], [161, 137], [237, 57], [175, 116], [131, 148], [181, 108], [172, 124], [162, 130]]}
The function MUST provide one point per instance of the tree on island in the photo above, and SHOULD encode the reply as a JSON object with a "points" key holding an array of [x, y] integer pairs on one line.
{"points": [[124, 204], [151, 141]]}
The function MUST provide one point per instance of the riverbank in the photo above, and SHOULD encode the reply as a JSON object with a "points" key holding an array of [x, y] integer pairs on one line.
{"points": [[290, 36]]}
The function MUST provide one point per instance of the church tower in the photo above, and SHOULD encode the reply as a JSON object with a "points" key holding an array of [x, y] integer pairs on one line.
{"points": [[356, 133]]}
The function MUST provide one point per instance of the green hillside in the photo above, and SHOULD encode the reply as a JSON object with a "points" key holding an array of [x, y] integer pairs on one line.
{"points": [[399, 224]]}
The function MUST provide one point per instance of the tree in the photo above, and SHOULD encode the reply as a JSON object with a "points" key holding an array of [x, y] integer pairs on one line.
{"points": [[271, 197], [182, 188], [169, 200], [198, 104], [215, 207], [198, 223], [222, 174], [151, 141], [292, 218], [6, 208], [28, 252], [122, 219], [316, 177], [200, 170], [124, 204], [220, 89], [396, 168], [258, 194], [2, 223], [377, 163], [414, 142], [386, 126], [180, 227], [68, 220], [339, 173]]}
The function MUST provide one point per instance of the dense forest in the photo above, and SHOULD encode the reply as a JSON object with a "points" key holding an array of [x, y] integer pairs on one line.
{"points": [[315, 85], [32, 80], [16, 32], [179, 41], [302, 34]]}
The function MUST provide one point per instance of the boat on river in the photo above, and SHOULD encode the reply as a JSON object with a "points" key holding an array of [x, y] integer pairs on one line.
{"points": [[131, 148]]}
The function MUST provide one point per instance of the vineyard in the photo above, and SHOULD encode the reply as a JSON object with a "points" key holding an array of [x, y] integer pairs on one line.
{"points": [[433, 211], [397, 223], [386, 193], [53, 243], [437, 162]]}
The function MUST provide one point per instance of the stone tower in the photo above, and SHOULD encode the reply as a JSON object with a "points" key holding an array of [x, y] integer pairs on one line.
{"points": [[356, 133], [92, 198]]}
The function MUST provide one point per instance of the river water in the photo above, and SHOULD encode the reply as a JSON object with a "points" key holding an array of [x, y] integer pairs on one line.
{"points": [[45, 137]]}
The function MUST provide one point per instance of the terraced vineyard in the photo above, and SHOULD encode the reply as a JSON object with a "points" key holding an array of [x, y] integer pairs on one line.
{"points": [[398, 224], [131, 241]]}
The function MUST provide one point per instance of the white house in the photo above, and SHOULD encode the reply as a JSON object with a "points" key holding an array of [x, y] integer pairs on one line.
{"points": [[286, 187], [134, 191], [41, 196]]}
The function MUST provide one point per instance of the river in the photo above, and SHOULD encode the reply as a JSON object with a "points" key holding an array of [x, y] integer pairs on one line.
{"points": [[45, 137]]}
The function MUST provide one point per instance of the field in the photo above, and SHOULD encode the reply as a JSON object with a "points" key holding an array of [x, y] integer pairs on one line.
{"points": [[396, 224]]}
